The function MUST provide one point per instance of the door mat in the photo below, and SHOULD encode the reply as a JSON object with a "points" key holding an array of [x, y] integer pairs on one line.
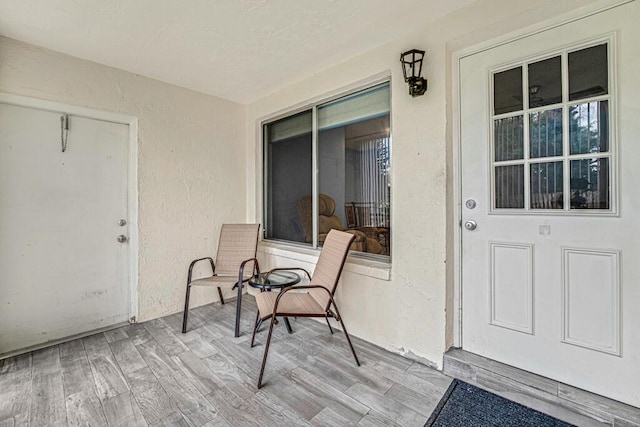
{"points": [[466, 405]]}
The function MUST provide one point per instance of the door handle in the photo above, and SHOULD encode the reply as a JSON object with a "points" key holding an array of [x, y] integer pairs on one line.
{"points": [[471, 225], [121, 238]]}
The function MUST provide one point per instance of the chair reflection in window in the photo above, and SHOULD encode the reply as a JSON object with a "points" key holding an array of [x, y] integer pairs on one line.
{"points": [[371, 219], [327, 220]]}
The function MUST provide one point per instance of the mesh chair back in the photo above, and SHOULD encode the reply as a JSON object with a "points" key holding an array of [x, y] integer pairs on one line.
{"points": [[330, 265], [238, 242]]}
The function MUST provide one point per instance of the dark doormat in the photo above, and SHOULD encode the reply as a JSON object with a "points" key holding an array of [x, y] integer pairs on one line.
{"points": [[465, 405]]}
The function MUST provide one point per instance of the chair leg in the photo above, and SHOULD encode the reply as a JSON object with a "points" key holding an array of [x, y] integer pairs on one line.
{"points": [[266, 352], [346, 334], [255, 328], [220, 293], [328, 324], [186, 309], [238, 309]]}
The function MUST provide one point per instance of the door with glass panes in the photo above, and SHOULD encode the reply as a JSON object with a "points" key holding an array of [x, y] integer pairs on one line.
{"points": [[549, 146]]}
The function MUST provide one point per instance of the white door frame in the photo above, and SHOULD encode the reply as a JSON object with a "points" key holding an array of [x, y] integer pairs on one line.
{"points": [[592, 9], [132, 178]]}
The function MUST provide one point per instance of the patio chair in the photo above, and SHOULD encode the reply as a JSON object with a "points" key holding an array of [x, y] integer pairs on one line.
{"points": [[318, 298], [236, 248]]}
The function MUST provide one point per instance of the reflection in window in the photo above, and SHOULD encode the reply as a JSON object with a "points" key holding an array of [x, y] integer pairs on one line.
{"points": [[590, 184], [508, 139], [545, 133], [588, 128], [507, 91], [509, 184], [561, 144], [546, 186], [353, 157], [354, 171], [545, 82], [588, 73], [288, 152]]}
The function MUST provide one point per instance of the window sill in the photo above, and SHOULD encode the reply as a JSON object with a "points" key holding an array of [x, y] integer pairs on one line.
{"points": [[355, 264]]}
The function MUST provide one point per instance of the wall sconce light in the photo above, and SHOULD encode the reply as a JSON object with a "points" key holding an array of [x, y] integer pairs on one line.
{"points": [[412, 68]]}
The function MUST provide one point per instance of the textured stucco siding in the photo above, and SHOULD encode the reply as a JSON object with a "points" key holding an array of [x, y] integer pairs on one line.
{"points": [[412, 312], [191, 160], [200, 165]]}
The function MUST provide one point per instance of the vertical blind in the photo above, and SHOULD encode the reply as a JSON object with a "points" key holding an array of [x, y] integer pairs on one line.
{"points": [[373, 190]]}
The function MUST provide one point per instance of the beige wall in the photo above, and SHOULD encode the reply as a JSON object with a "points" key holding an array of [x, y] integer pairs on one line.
{"points": [[411, 312], [191, 167]]}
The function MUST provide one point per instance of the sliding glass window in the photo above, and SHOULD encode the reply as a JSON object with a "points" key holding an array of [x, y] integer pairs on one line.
{"points": [[349, 144]]}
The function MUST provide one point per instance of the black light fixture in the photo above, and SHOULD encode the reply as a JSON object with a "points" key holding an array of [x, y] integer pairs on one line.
{"points": [[412, 68]]}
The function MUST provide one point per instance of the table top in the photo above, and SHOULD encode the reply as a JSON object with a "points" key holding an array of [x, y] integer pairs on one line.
{"points": [[274, 280]]}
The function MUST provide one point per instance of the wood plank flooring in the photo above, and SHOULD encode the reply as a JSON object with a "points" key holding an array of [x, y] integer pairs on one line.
{"points": [[151, 374]]}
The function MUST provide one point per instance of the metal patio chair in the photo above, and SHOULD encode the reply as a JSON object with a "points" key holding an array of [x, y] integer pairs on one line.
{"points": [[318, 298], [235, 263]]}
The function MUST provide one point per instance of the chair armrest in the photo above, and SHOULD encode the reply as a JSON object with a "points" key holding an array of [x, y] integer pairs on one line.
{"points": [[195, 261], [288, 288], [286, 269], [256, 269]]}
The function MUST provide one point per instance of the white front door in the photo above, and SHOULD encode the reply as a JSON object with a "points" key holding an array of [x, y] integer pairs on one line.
{"points": [[550, 150], [62, 271]]}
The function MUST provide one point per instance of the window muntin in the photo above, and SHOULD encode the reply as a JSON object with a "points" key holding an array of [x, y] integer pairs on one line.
{"points": [[351, 189], [559, 158]]}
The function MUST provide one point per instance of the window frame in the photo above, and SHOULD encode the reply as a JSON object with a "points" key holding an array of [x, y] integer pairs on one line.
{"points": [[566, 158], [313, 106]]}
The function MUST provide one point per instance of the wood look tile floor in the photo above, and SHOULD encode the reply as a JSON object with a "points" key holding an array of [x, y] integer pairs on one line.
{"points": [[152, 374]]}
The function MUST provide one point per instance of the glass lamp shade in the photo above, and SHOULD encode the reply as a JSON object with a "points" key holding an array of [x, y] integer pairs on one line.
{"points": [[412, 69], [412, 63]]}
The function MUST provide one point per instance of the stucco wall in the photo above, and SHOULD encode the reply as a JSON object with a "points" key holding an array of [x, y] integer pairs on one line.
{"points": [[411, 313], [191, 160]]}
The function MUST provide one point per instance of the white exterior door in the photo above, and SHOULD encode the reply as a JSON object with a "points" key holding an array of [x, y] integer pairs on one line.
{"points": [[62, 271], [550, 153]]}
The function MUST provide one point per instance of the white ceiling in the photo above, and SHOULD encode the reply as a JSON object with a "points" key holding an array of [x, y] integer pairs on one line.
{"points": [[240, 50]]}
